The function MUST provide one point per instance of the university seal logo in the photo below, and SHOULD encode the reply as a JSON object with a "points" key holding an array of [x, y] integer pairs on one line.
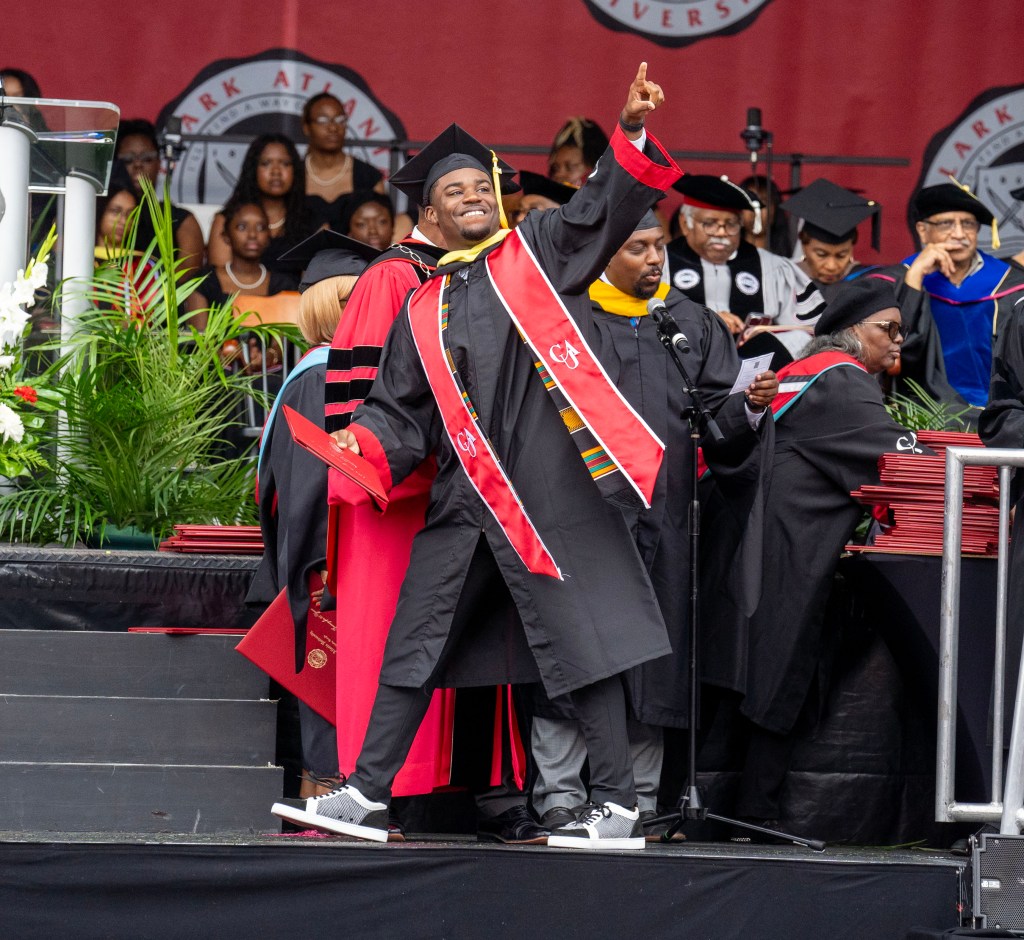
{"points": [[236, 99], [676, 22], [984, 149]]}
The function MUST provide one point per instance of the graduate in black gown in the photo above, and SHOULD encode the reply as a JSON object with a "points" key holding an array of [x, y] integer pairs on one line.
{"points": [[632, 354], [831, 427], [1002, 425], [524, 567], [292, 488]]}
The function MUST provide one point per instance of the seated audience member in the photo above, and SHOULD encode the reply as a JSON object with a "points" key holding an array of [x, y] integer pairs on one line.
{"points": [[970, 293], [332, 174], [246, 234], [715, 267], [19, 84], [112, 212], [292, 490], [369, 217], [831, 426], [139, 152], [1017, 261], [273, 177], [575, 151], [539, 192], [830, 217], [773, 230]]}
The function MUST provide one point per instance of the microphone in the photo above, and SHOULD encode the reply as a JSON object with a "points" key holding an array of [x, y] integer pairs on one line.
{"points": [[171, 142], [753, 133], [667, 326]]}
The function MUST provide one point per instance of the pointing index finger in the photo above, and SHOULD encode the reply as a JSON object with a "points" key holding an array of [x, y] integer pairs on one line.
{"points": [[641, 74]]}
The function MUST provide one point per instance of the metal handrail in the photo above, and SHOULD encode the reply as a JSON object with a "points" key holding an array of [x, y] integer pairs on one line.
{"points": [[1006, 802]]}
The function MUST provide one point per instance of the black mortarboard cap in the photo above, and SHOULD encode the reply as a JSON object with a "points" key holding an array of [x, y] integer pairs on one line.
{"points": [[450, 150], [831, 214], [714, 192], [333, 262], [534, 184], [949, 197], [855, 301], [323, 240], [329, 254], [650, 220]]}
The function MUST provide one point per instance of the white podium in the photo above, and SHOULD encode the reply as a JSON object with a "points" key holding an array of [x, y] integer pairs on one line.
{"points": [[54, 146]]}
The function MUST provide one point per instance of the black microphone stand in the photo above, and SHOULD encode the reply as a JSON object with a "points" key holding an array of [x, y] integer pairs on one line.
{"points": [[757, 138], [701, 423]]}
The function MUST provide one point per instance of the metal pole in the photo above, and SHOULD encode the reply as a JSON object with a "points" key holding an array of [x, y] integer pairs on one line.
{"points": [[999, 668], [14, 179], [78, 230], [949, 630]]}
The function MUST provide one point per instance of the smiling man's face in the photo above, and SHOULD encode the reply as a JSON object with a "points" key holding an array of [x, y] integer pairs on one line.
{"points": [[464, 207]]}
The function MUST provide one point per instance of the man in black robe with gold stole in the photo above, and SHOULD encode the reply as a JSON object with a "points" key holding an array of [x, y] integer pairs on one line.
{"points": [[627, 343], [524, 537]]}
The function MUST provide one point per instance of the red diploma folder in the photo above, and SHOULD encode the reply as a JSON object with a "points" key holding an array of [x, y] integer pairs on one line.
{"points": [[319, 443], [270, 645]]}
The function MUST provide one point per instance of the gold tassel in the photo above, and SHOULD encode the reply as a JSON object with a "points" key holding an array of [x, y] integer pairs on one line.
{"points": [[496, 176]]}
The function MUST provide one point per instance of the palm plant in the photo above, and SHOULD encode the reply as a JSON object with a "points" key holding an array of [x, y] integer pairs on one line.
{"points": [[149, 401]]}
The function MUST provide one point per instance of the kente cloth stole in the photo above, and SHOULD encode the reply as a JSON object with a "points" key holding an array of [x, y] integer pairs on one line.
{"points": [[796, 377], [620, 450], [428, 317], [589, 401]]}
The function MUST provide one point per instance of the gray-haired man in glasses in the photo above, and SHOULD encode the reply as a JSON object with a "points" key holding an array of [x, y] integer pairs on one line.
{"points": [[970, 293]]}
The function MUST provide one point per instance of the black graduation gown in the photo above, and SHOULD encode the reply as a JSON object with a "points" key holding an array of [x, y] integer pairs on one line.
{"points": [[1002, 425], [603, 618], [644, 372], [827, 444], [293, 507]]}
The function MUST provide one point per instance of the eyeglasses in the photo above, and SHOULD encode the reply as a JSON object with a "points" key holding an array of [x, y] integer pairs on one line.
{"points": [[323, 120], [946, 226], [150, 156], [710, 226], [893, 327]]}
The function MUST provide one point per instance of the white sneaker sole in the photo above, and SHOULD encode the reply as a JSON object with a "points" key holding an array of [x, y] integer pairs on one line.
{"points": [[324, 824], [571, 842]]}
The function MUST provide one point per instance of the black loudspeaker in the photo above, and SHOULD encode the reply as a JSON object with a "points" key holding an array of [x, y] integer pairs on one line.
{"points": [[997, 881]]}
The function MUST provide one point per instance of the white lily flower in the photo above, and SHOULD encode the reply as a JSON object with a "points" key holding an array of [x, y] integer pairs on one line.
{"points": [[11, 428], [6, 362], [23, 292], [37, 275], [12, 326]]}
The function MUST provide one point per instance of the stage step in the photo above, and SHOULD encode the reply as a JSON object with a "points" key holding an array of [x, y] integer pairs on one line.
{"points": [[110, 797], [115, 732], [136, 730], [157, 665]]}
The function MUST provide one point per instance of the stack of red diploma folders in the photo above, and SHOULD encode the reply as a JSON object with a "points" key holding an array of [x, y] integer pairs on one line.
{"points": [[913, 487], [215, 540]]}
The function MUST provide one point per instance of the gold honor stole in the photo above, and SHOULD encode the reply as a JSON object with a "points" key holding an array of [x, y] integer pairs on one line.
{"points": [[537, 311]]}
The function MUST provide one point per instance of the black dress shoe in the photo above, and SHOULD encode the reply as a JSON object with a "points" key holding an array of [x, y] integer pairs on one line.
{"points": [[513, 827], [556, 817]]}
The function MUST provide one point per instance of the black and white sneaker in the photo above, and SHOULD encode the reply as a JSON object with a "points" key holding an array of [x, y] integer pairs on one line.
{"points": [[601, 826], [344, 811]]}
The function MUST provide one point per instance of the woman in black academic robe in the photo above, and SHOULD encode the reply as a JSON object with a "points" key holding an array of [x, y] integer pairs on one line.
{"points": [[827, 443]]}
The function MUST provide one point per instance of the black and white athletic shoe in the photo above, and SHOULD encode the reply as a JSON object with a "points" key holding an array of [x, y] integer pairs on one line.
{"points": [[601, 826], [343, 811]]}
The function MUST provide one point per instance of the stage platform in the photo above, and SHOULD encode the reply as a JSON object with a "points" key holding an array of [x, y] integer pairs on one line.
{"points": [[153, 886]]}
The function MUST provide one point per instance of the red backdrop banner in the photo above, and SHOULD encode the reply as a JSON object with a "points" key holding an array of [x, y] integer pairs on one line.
{"points": [[940, 85]]}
